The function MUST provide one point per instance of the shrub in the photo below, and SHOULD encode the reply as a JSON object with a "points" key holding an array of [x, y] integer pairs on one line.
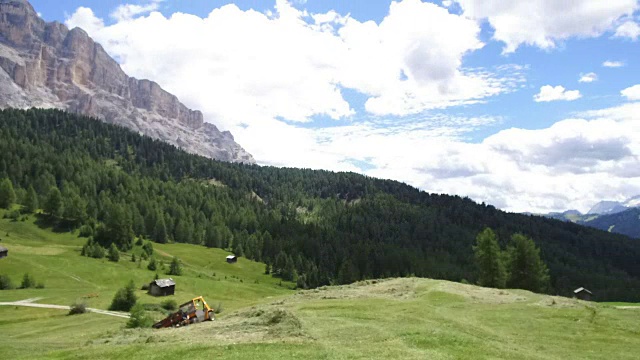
{"points": [[93, 249], [40, 285], [218, 309], [5, 283], [139, 242], [78, 307], [86, 231], [14, 215], [139, 318], [145, 287], [169, 305], [153, 307], [125, 298], [27, 281], [148, 248]]}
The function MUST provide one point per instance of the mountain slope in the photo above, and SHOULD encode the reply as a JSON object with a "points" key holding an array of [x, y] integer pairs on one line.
{"points": [[606, 207], [612, 216], [626, 222], [47, 65], [319, 226]]}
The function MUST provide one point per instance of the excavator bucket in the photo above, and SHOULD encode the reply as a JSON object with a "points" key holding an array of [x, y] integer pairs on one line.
{"points": [[194, 311]]}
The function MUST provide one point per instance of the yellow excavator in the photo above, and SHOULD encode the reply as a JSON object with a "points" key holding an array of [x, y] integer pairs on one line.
{"points": [[194, 311]]}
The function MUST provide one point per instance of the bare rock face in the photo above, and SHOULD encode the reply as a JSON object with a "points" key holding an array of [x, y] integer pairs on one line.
{"points": [[49, 66]]}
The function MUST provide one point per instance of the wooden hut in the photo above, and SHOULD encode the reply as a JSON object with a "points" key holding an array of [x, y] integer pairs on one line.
{"points": [[162, 287], [231, 259], [582, 294], [4, 252]]}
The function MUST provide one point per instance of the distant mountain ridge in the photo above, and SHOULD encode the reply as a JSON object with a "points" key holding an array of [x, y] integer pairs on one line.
{"points": [[613, 216], [49, 66]]}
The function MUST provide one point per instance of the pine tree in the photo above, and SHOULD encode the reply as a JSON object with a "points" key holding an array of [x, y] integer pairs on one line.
{"points": [[289, 272], [53, 205], [152, 264], [211, 239], [114, 254], [27, 281], [175, 268], [7, 195], [526, 268], [31, 201], [74, 207], [160, 230], [489, 260], [116, 229], [348, 273]]}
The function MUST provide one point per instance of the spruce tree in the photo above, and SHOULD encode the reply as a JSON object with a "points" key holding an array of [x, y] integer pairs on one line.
{"points": [[7, 195], [526, 268], [160, 230], [489, 260]]}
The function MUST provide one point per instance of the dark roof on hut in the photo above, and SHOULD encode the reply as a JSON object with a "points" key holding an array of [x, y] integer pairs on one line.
{"points": [[164, 282], [581, 289]]}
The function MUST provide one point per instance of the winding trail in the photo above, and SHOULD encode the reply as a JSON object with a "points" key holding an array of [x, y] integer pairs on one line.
{"points": [[31, 303]]}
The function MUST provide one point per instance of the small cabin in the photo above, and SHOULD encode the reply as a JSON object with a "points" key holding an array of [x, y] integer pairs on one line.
{"points": [[162, 287], [4, 252], [232, 259], [582, 294]]}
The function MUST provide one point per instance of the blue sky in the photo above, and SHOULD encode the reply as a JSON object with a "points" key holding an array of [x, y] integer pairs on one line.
{"points": [[481, 98]]}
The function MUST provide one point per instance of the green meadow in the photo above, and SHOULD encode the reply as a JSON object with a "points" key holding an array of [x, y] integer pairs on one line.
{"points": [[265, 318]]}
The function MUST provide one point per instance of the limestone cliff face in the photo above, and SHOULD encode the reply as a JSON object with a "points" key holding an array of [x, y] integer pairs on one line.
{"points": [[47, 65]]}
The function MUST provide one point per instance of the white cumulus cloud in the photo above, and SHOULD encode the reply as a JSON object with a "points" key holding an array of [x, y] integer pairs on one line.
{"points": [[85, 19], [543, 23], [588, 77], [631, 93], [613, 64], [629, 30], [260, 75], [554, 93], [294, 65], [126, 12]]}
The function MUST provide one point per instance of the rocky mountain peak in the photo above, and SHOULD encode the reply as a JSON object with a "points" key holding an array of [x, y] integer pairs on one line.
{"points": [[47, 65]]}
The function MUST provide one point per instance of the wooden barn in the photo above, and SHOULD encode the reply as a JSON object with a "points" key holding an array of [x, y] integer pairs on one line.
{"points": [[582, 294], [231, 259], [4, 252], [162, 287]]}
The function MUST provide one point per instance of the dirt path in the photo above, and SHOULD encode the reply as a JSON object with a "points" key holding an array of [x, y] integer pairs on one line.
{"points": [[31, 303]]}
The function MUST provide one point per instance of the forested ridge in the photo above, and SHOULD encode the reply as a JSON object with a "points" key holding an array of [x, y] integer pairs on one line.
{"points": [[316, 227]]}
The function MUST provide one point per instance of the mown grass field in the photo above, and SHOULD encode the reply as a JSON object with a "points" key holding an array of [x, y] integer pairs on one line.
{"points": [[395, 318]]}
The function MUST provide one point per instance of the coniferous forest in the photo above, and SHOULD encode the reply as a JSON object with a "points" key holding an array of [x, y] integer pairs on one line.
{"points": [[314, 227]]}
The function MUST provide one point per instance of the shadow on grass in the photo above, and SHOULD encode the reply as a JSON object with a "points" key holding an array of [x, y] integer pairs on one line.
{"points": [[54, 224]]}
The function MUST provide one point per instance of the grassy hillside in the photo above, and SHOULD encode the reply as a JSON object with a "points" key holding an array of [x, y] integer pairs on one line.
{"points": [[407, 318], [54, 259]]}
